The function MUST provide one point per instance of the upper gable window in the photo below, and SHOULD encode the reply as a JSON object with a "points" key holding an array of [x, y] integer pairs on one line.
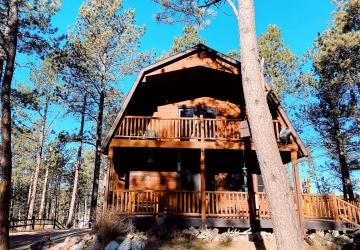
{"points": [[207, 112]]}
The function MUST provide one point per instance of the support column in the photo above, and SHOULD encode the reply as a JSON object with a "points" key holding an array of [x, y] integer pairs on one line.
{"points": [[297, 187], [255, 190], [107, 178], [203, 184]]}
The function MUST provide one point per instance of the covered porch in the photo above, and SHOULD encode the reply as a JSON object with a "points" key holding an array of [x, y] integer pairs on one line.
{"points": [[191, 183]]}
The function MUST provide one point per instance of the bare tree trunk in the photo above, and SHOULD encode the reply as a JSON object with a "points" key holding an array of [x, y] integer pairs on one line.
{"points": [[29, 195], [94, 193], [1, 74], [10, 37], [285, 222], [78, 165], [344, 167], [85, 211], [43, 195], [38, 165], [313, 172]]}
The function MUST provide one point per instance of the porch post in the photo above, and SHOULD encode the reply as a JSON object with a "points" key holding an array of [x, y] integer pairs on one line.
{"points": [[107, 178], [298, 193], [203, 183], [256, 193]]}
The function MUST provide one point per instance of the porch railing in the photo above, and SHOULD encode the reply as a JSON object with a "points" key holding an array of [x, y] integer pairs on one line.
{"points": [[187, 203], [317, 206], [228, 204], [153, 128], [157, 202]]}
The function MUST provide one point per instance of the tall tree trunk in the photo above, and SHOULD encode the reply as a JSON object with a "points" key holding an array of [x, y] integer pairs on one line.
{"points": [[313, 172], [354, 108], [43, 195], [94, 193], [10, 36], [77, 166], [1, 75], [283, 216], [29, 195], [344, 167], [38, 165]]}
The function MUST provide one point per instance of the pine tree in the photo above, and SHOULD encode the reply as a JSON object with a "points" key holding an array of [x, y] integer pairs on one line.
{"points": [[279, 64], [335, 113], [106, 39], [22, 26]]}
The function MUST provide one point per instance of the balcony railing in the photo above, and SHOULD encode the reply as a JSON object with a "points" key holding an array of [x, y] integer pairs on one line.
{"points": [[187, 203], [183, 129]]}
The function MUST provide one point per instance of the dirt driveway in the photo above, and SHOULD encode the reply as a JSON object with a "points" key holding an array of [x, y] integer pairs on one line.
{"points": [[23, 240]]}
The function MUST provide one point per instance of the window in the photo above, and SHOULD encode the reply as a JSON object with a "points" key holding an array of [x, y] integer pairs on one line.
{"points": [[207, 112]]}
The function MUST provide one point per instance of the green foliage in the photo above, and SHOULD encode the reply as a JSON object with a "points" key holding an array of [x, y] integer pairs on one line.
{"points": [[335, 110], [189, 38], [34, 26], [192, 12], [279, 63]]}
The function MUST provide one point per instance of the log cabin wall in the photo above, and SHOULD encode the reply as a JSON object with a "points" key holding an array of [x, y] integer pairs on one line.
{"points": [[175, 169]]}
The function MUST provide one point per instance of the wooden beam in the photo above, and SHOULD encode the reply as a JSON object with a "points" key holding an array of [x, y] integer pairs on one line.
{"points": [[297, 187], [203, 184], [117, 142], [255, 183], [107, 179]]}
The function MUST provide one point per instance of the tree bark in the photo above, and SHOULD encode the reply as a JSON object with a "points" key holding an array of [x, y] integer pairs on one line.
{"points": [[285, 222], [78, 166], [38, 164], [29, 195], [94, 193], [10, 35], [43, 124], [43, 195], [344, 167]]}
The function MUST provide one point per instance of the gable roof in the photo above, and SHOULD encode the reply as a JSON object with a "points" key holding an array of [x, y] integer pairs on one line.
{"points": [[222, 61]]}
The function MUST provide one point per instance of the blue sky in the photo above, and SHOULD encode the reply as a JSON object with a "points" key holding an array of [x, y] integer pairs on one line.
{"points": [[299, 21]]}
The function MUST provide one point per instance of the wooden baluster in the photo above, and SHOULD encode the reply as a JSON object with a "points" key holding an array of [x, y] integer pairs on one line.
{"points": [[203, 183], [119, 201], [189, 195], [135, 129], [202, 128], [217, 195], [141, 202], [132, 127], [127, 127], [126, 202], [335, 207]]}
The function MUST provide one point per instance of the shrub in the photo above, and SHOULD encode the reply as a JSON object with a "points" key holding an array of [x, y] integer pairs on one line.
{"points": [[110, 224]]}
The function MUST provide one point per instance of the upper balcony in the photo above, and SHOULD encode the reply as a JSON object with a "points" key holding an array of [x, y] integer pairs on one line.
{"points": [[201, 131]]}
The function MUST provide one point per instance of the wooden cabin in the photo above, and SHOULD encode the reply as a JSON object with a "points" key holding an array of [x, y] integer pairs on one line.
{"points": [[180, 147]]}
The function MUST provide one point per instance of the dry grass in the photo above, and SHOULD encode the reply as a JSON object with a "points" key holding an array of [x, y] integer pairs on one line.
{"points": [[110, 225], [176, 240]]}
